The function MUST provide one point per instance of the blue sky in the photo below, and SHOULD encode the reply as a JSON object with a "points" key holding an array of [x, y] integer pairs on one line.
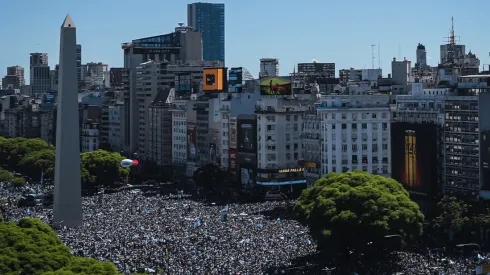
{"points": [[292, 30]]}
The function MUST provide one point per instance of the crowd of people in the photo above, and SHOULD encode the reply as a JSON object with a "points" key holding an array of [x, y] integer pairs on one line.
{"points": [[174, 234], [178, 235]]}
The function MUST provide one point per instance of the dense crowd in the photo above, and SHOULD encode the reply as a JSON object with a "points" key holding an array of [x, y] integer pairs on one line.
{"points": [[172, 233], [178, 235]]}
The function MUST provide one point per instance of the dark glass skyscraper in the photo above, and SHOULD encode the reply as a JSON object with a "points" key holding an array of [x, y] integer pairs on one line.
{"points": [[209, 19]]}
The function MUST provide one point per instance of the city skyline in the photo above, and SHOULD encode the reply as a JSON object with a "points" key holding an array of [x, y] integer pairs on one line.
{"points": [[350, 49]]}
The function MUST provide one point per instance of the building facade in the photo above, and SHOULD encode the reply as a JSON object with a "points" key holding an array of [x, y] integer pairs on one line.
{"points": [[209, 19]]}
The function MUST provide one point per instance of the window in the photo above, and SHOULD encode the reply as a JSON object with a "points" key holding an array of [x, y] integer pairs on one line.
{"points": [[374, 115], [364, 126], [344, 126], [354, 126]]}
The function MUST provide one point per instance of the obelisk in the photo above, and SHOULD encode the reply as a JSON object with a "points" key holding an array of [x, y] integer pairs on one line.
{"points": [[67, 208]]}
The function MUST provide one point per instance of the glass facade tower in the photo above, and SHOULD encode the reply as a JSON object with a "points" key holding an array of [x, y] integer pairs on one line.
{"points": [[209, 19]]}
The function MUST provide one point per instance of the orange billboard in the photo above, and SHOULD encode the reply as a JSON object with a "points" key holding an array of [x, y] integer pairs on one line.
{"points": [[214, 79]]}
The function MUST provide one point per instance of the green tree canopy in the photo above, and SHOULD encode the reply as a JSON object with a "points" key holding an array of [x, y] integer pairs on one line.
{"points": [[102, 167], [12, 150], [208, 176], [452, 214], [351, 209], [6, 176], [32, 248], [36, 162]]}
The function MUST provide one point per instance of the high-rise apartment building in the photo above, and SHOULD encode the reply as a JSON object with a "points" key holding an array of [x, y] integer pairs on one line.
{"points": [[421, 56], [14, 79], [95, 74], [179, 47], [401, 72], [355, 134], [326, 70], [209, 19], [269, 67], [39, 73]]}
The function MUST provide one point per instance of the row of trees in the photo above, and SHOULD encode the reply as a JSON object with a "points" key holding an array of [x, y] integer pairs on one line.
{"points": [[31, 247], [33, 156]]}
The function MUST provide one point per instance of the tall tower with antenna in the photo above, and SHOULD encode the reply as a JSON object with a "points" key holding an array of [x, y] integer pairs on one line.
{"points": [[451, 50], [372, 55]]}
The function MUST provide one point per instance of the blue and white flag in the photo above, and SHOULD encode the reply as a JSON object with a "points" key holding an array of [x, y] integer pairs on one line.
{"points": [[197, 223], [28, 211], [260, 226]]}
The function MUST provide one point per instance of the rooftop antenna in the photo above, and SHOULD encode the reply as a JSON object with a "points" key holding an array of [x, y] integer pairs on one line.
{"points": [[372, 55], [379, 56], [452, 39]]}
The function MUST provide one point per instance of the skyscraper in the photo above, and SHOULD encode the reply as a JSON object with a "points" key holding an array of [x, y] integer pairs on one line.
{"points": [[421, 56], [67, 209], [209, 19], [39, 73]]}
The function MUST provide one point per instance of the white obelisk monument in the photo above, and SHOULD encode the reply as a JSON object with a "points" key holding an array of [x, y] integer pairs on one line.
{"points": [[67, 208]]}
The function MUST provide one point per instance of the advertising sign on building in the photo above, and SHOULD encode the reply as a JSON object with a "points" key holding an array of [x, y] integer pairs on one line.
{"points": [[247, 135], [191, 141], [233, 132], [275, 86], [183, 83], [214, 79], [414, 156], [235, 80]]}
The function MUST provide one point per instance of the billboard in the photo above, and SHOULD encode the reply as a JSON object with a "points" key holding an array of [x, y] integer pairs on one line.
{"points": [[233, 165], [183, 84], [235, 80], [191, 141], [485, 159], [214, 79], [275, 86], [247, 164], [414, 156], [247, 135], [233, 132]]}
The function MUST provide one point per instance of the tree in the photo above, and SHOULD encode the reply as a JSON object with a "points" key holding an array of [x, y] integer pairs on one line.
{"points": [[102, 167], [209, 176], [86, 266], [32, 247], [19, 181], [6, 176], [23, 146], [37, 162], [350, 209], [452, 215]]}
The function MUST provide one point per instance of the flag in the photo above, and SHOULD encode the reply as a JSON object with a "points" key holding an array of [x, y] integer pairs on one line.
{"points": [[197, 223], [42, 177]]}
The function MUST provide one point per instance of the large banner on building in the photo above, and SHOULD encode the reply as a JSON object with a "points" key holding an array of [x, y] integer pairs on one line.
{"points": [[214, 79], [235, 80], [191, 141], [275, 86], [183, 84], [247, 136], [485, 159], [414, 156], [233, 133]]}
